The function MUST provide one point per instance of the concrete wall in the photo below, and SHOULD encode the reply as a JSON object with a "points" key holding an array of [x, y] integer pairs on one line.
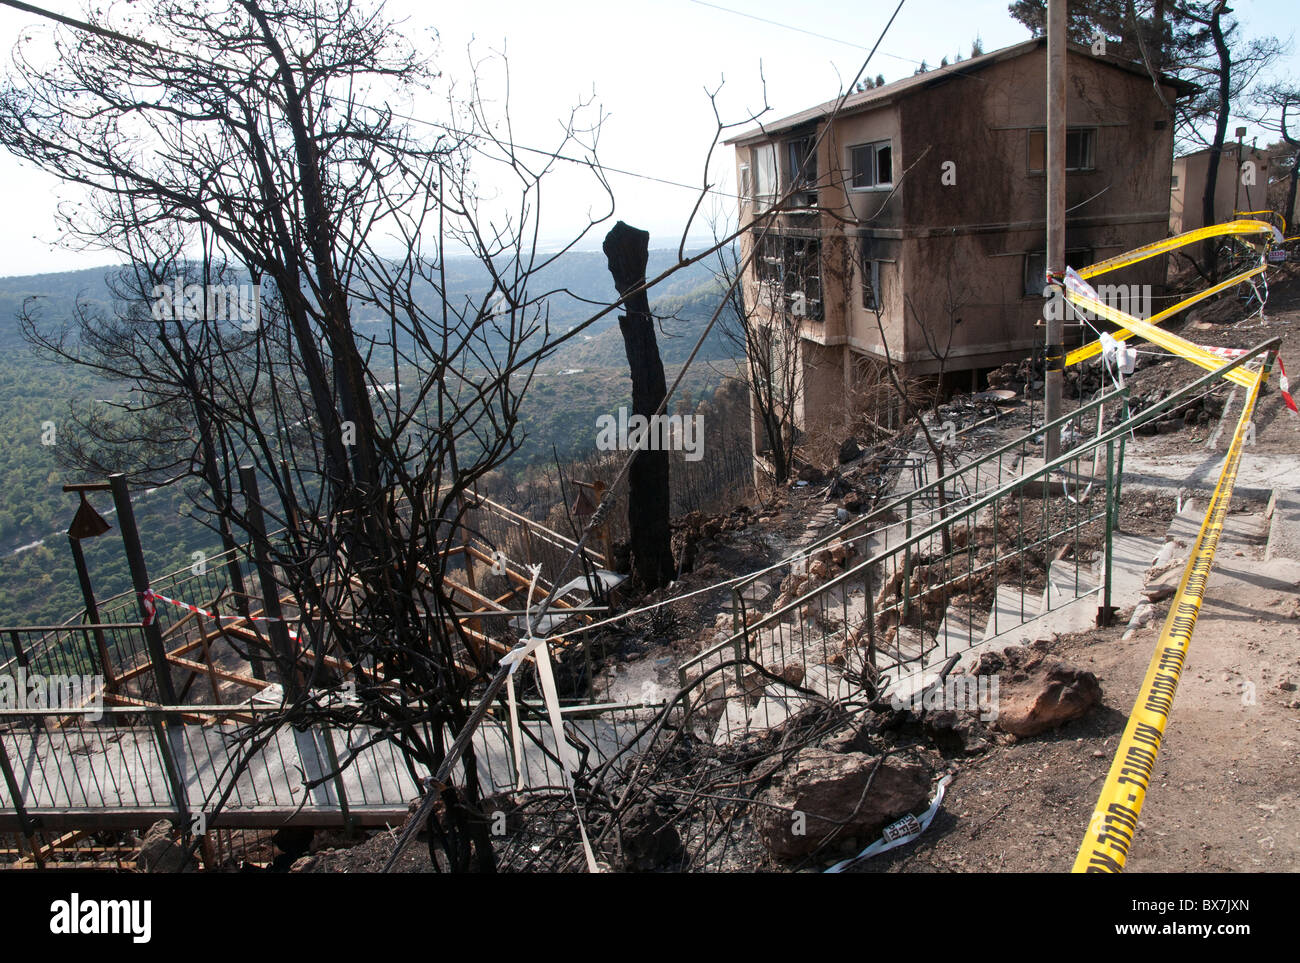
{"points": [[1188, 190], [973, 236]]}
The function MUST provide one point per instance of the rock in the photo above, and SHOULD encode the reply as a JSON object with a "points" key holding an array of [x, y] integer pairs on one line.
{"points": [[1052, 694], [648, 841], [792, 673], [958, 730], [811, 475], [818, 569], [159, 853], [849, 451], [839, 553], [1164, 587], [818, 790]]}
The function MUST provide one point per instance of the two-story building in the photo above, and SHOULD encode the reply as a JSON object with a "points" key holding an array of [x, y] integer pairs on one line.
{"points": [[918, 209]]}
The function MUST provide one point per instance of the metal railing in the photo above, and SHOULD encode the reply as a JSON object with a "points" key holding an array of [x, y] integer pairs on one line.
{"points": [[130, 766], [895, 520], [1015, 552]]}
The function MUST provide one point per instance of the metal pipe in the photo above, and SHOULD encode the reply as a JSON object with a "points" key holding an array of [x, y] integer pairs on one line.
{"points": [[1055, 357]]}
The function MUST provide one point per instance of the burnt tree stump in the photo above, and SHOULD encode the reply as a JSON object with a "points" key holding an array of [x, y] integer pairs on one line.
{"points": [[628, 251]]}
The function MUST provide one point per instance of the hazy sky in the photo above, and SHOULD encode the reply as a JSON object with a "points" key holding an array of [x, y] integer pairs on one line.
{"points": [[648, 65]]}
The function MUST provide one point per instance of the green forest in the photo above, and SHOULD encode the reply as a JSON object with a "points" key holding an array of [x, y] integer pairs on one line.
{"points": [[583, 379]]}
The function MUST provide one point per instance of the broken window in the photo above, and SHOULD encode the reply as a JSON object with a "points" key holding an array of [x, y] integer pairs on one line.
{"points": [[1078, 149], [872, 295], [788, 267], [803, 282], [767, 262], [871, 165], [1036, 268], [801, 163]]}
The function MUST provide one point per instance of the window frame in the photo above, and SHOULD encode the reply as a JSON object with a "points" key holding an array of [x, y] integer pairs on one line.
{"points": [[876, 184], [762, 200], [1091, 142], [1072, 254]]}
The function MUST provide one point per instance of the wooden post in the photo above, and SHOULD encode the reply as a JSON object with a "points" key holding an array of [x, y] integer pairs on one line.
{"points": [[140, 582]]}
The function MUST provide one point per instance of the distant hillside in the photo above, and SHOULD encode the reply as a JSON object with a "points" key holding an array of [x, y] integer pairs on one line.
{"points": [[583, 380]]}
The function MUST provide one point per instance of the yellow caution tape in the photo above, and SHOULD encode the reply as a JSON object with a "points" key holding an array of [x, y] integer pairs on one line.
{"points": [[1093, 348], [1238, 228], [1114, 821], [1230, 229], [1166, 339]]}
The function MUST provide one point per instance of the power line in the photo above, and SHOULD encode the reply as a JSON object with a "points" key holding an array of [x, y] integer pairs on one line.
{"points": [[810, 33], [155, 48]]}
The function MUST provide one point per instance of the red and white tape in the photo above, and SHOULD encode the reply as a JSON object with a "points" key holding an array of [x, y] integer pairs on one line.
{"points": [[151, 598], [1283, 384]]}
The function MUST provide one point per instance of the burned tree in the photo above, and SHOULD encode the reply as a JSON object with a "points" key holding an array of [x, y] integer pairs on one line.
{"points": [[628, 251], [768, 337], [256, 149]]}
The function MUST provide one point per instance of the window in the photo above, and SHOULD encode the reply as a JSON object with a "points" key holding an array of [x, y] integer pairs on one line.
{"points": [[767, 262], [1173, 183], [1036, 268], [763, 165], [746, 186], [1078, 149], [803, 283], [871, 166], [800, 163], [873, 296], [788, 267]]}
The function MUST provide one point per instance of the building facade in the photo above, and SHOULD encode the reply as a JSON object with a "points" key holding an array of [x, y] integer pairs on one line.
{"points": [[1241, 185], [911, 224]]}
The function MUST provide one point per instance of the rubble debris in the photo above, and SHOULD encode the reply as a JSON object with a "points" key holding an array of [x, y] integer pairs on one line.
{"points": [[648, 841], [900, 833], [830, 791], [957, 730], [161, 853], [1037, 693]]}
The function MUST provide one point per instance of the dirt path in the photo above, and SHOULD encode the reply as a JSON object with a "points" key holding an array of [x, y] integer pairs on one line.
{"points": [[1226, 787]]}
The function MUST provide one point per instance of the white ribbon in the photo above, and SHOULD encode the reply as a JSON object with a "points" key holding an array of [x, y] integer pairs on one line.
{"points": [[550, 696], [891, 838]]}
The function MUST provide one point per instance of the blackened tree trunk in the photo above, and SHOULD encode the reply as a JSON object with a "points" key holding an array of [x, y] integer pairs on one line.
{"points": [[1215, 24], [628, 250]]}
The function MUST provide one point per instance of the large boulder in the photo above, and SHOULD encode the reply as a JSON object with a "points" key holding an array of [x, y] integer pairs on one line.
{"points": [[1038, 694], [819, 790]]}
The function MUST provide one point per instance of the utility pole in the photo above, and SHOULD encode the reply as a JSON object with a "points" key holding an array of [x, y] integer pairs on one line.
{"points": [[1055, 323]]}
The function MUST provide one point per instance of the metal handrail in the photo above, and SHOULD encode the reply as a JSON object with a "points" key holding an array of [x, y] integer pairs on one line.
{"points": [[1104, 437]]}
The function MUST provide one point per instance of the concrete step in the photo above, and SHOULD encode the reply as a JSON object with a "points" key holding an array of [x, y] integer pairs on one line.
{"points": [[962, 626], [1241, 530], [1011, 609], [1283, 516]]}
